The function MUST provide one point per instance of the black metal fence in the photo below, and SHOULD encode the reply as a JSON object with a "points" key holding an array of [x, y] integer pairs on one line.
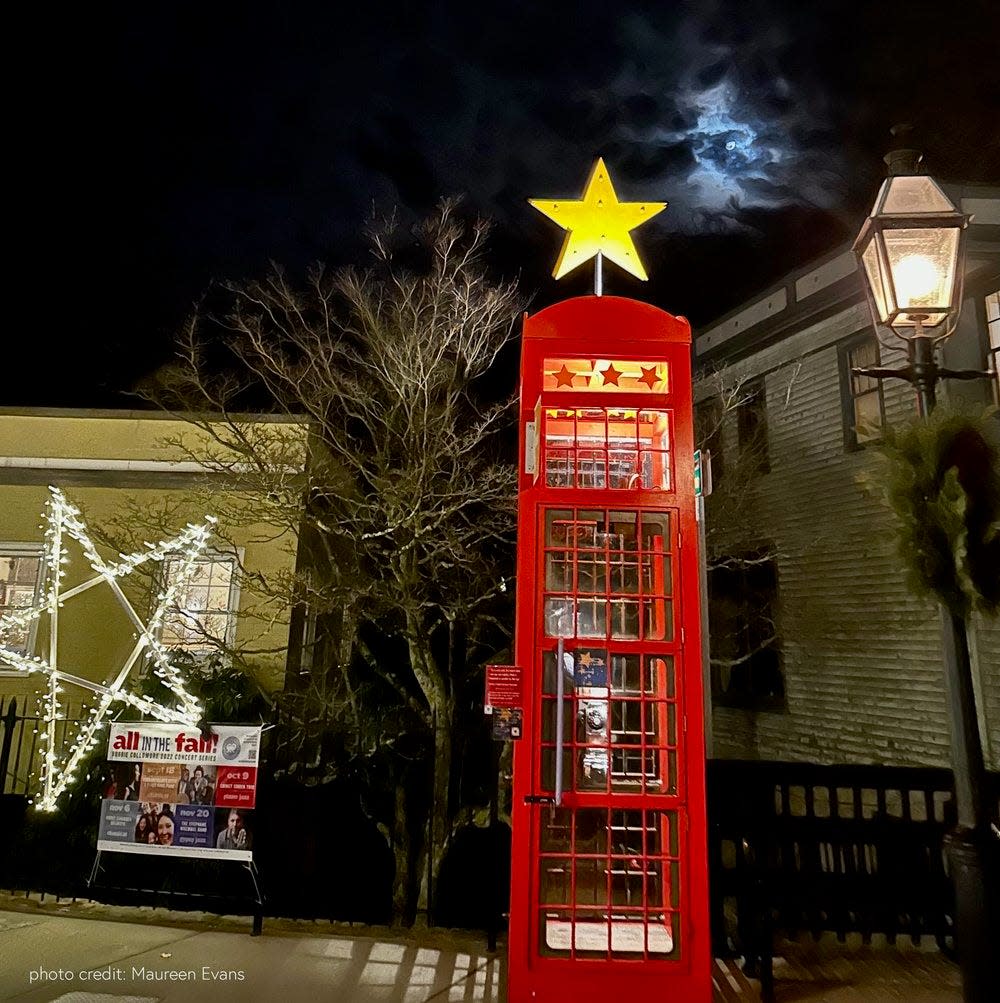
{"points": [[792, 847], [20, 737], [798, 847]]}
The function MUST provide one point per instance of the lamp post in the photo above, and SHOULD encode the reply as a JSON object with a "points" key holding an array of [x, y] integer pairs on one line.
{"points": [[910, 250]]}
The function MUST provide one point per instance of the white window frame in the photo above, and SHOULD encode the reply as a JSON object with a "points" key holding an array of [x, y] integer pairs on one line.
{"points": [[234, 557], [11, 549], [991, 303]]}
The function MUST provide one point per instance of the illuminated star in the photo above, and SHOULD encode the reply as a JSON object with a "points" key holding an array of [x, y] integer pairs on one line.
{"points": [[598, 224], [63, 520], [649, 376], [564, 378], [610, 375]]}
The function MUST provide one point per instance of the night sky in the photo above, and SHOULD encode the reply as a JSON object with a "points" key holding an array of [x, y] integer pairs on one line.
{"points": [[164, 145]]}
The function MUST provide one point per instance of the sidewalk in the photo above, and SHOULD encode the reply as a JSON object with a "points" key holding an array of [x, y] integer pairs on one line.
{"points": [[90, 953], [46, 956]]}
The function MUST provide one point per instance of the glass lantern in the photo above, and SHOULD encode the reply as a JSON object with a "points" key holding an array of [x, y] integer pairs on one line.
{"points": [[909, 249]]}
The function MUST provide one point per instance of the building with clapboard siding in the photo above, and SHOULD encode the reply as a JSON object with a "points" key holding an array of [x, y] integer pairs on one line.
{"points": [[818, 650]]}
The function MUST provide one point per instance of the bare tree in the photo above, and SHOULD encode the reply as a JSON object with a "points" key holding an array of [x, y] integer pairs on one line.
{"points": [[407, 506], [732, 428]]}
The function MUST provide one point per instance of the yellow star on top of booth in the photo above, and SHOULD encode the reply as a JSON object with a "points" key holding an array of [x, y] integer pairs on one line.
{"points": [[598, 224]]}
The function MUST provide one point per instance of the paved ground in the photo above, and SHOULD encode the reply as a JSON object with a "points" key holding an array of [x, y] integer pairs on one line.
{"points": [[830, 972], [58, 957], [98, 954]]}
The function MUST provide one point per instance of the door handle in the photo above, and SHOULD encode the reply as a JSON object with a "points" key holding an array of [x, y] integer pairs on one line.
{"points": [[539, 799]]}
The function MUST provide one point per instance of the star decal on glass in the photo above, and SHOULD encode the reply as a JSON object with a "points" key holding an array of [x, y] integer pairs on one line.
{"points": [[564, 378], [611, 375], [649, 376], [63, 522]]}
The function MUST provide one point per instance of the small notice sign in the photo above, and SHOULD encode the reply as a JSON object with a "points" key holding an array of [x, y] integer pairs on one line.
{"points": [[508, 723], [503, 687]]}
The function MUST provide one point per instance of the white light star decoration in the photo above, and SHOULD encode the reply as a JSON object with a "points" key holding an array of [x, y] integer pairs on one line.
{"points": [[63, 520]]}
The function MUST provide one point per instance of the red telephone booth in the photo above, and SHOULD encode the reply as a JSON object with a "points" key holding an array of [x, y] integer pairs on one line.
{"points": [[609, 896]]}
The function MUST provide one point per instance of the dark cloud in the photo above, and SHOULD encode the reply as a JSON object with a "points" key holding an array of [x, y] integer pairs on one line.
{"points": [[193, 142]]}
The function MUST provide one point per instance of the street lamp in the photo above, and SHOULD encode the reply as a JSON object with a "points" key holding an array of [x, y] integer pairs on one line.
{"points": [[910, 252]]}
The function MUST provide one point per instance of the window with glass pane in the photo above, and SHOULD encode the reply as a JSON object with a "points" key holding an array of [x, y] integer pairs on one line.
{"points": [[619, 731], [610, 883], [993, 325], [608, 574], [607, 448], [864, 405], [20, 583], [204, 614], [608, 584], [751, 425]]}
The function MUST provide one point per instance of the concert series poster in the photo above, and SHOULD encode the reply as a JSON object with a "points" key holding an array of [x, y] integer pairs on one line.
{"points": [[169, 790]]}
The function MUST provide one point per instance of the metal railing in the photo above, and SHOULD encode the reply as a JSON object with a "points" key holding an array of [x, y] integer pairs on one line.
{"points": [[19, 744]]}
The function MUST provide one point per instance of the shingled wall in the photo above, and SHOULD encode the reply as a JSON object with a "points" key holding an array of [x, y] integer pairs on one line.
{"points": [[862, 655]]}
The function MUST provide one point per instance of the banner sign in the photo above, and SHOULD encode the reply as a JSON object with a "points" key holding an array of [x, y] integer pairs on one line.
{"points": [[503, 687], [170, 790]]}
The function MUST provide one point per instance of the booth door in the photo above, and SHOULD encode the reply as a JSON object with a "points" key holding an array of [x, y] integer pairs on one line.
{"points": [[608, 879]]}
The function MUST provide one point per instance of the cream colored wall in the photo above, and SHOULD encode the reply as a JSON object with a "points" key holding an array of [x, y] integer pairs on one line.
{"points": [[95, 632], [133, 436]]}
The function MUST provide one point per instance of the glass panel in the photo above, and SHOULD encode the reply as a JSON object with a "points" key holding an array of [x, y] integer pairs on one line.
{"points": [[557, 468], [620, 726], [923, 268], [556, 830], [559, 571], [548, 777], [555, 928], [591, 880], [549, 717], [993, 320], [654, 443], [625, 619], [908, 194], [549, 682], [627, 675], [867, 416], [559, 617], [993, 313], [864, 356], [555, 882], [201, 614], [20, 577], [871, 263], [658, 619], [598, 448], [608, 574], [624, 570], [623, 899], [591, 618], [656, 531]]}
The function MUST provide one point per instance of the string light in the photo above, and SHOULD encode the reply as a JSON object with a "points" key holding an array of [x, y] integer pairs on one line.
{"points": [[62, 519]]}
